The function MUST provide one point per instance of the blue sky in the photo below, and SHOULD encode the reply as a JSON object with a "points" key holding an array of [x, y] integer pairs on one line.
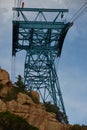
{"points": [[72, 68]]}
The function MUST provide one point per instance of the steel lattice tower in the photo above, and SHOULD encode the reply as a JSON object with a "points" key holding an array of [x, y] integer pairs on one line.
{"points": [[42, 39]]}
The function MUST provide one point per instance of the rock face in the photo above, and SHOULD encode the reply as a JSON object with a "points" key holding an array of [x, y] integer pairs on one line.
{"points": [[35, 114], [4, 91], [5, 78]]}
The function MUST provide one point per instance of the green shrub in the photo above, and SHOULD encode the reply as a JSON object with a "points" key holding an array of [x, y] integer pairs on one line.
{"points": [[20, 83], [75, 127], [60, 116], [1, 86], [10, 121], [51, 108], [12, 94]]}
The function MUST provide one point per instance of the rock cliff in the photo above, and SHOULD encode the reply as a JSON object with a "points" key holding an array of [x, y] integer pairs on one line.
{"points": [[4, 77], [24, 106], [35, 114]]}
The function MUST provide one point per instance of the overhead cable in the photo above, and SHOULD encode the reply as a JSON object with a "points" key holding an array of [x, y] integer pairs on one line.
{"points": [[80, 12]]}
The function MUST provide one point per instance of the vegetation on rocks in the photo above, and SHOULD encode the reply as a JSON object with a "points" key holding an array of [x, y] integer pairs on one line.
{"points": [[1, 86], [49, 107], [10, 121], [78, 127], [20, 87], [75, 127], [60, 116], [20, 83], [16, 88]]}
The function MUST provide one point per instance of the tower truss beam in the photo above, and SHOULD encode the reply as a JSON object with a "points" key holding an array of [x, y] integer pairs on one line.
{"points": [[42, 39]]}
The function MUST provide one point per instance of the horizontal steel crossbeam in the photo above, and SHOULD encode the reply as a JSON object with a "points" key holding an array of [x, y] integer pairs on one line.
{"points": [[40, 10], [39, 25]]}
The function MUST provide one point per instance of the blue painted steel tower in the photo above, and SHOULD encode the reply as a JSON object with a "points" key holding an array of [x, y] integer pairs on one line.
{"points": [[41, 33]]}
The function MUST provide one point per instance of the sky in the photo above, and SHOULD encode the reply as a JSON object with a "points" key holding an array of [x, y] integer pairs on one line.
{"points": [[72, 67]]}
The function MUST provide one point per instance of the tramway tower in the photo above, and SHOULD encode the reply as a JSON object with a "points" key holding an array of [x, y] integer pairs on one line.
{"points": [[41, 33]]}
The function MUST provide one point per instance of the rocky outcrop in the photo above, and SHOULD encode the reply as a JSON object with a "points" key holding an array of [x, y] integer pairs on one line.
{"points": [[35, 114], [35, 95], [4, 91], [24, 106], [24, 99], [5, 78]]}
